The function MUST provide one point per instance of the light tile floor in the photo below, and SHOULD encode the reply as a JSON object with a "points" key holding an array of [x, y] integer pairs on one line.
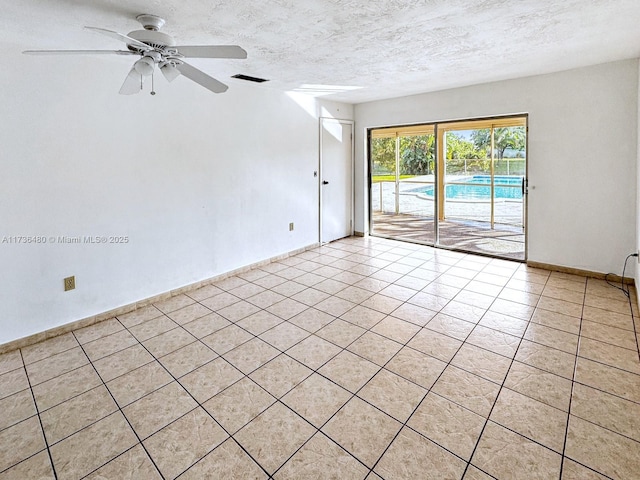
{"points": [[366, 358]]}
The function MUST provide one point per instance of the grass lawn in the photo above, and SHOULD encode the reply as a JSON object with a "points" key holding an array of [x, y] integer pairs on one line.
{"points": [[388, 178]]}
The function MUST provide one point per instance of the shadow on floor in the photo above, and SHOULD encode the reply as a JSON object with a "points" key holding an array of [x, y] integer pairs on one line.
{"points": [[505, 241]]}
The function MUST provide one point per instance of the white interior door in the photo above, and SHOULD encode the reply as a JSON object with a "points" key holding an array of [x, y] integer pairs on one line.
{"points": [[336, 179]]}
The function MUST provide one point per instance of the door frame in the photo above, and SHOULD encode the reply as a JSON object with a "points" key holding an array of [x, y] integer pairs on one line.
{"points": [[321, 124], [440, 126]]}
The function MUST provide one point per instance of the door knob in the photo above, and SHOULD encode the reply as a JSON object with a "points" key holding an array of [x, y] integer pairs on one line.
{"points": [[324, 182]]}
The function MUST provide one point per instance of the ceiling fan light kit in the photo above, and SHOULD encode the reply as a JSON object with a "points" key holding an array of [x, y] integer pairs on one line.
{"points": [[144, 66], [158, 48], [169, 71]]}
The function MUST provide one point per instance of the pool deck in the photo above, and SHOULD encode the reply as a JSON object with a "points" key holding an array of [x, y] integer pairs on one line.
{"points": [[506, 211], [409, 216], [505, 241]]}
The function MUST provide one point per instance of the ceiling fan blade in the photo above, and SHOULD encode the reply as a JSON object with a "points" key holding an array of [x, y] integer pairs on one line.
{"points": [[132, 84], [121, 37], [79, 52], [170, 72], [212, 51], [201, 78]]}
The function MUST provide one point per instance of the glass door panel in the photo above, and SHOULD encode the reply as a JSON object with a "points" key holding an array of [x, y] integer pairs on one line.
{"points": [[510, 174], [417, 186], [383, 174], [483, 209], [403, 184], [466, 187]]}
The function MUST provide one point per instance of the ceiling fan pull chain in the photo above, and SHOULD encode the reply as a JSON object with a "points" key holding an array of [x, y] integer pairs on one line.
{"points": [[152, 87]]}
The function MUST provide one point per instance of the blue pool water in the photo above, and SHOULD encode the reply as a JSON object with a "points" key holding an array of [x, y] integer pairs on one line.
{"points": [[480, 192]]}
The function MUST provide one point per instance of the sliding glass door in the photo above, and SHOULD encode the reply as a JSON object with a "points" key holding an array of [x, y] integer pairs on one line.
{"points": [[459, 185]]}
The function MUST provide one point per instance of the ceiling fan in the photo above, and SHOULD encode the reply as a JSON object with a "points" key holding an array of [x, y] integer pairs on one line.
{"points": [[158, 49]]}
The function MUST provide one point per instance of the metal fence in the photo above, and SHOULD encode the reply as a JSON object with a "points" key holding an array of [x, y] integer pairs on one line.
{"points": [[408, 199]]}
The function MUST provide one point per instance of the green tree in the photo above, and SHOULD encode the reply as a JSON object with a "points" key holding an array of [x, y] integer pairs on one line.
{"points": [[417, 154], [463, 156], [459, 148], [513, 138], [383, 153]]}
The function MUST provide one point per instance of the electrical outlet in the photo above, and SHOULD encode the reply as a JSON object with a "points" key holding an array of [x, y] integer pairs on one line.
{"points": [[291, 227], [69, 283]]}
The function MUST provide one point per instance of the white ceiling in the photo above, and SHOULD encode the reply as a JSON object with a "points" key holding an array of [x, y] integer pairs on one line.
{"points": [[388, 48]]}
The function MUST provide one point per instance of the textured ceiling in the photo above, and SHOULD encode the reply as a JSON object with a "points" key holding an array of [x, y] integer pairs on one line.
{"points": [[387, 47]]}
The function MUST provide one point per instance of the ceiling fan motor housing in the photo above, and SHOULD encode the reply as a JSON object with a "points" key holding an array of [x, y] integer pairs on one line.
{"points": [[150, 22], [152, 38], [151, 34]]}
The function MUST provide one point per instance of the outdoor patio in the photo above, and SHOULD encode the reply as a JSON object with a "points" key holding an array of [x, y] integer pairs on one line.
{"points": [[506, 241], [467, 225]]}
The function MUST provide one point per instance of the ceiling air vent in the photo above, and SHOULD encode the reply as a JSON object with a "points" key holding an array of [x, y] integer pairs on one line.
{"points": [[249, 79]]}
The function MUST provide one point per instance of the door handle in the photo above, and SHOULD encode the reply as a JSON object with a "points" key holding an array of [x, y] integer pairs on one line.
{"points": [[324, 182]]}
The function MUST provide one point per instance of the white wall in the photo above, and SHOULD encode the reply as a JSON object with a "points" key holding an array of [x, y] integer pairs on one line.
{"points": [[583, 126], [200, 183]]}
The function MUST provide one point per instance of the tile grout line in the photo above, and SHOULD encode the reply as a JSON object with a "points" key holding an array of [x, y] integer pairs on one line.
{"points": [[354, 395], [200, 405], [404, 424], [245, 375], [313, 371], [316, 371], [123, 415], [198, 340], [573, 382], [44, 436], [499, 391]]}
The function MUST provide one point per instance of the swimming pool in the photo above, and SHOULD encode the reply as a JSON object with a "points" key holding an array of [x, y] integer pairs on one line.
{"points": [[479, 192]]}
